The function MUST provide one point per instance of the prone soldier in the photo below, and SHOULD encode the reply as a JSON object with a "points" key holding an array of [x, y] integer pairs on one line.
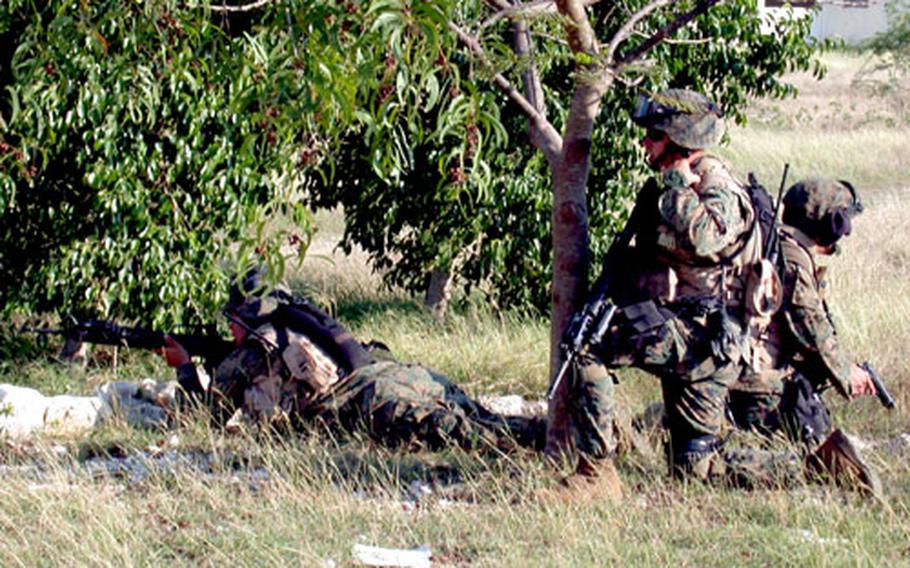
{"points": [[294, 365]]}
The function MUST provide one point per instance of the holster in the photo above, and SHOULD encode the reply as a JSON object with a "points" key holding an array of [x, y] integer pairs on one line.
{"points": [[644, 316], [803, 413]]}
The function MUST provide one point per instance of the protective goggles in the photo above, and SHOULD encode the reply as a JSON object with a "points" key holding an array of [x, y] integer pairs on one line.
{"points": [[650, 111]]}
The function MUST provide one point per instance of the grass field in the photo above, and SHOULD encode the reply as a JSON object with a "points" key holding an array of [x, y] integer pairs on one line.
{"points": [[244, 501]]}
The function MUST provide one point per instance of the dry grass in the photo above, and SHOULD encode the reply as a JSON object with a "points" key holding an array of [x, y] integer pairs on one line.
{"points": [[318, 498]]}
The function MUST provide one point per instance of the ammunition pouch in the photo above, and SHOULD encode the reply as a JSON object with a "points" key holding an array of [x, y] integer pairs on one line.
{"points": [[694, 307], [644, 316], [727, 343]]}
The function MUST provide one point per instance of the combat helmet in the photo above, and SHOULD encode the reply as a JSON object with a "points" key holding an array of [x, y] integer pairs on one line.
{"points": [[688, 118], [252, 300], [822, 208]]}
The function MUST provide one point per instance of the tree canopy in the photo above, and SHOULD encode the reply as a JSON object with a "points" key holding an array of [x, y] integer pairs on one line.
{"points": [[465, 191], [144, 146]]}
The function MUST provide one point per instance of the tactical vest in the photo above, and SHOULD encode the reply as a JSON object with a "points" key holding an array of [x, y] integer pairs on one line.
{"points": [[725, 272], [736, 278], [770, 357], [305, 362]]}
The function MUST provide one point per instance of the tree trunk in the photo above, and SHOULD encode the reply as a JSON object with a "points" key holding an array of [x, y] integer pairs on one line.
{"points": [[570, 244], [570, 264], [439, 292]]}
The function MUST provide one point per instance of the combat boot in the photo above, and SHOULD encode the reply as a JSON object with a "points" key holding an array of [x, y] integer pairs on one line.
{"points": [[592, 481], [839, 458]]}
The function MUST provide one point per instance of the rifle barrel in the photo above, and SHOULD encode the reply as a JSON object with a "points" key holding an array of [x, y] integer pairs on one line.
{"points": [[209, 346]]}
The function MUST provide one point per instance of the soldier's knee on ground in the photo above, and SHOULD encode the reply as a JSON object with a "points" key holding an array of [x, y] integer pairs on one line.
{"points": [[750, 468], [695, 458]]}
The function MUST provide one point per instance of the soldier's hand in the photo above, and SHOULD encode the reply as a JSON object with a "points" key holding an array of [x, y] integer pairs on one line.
{"points": [[860, 382], [683, 168], [174, 353]]}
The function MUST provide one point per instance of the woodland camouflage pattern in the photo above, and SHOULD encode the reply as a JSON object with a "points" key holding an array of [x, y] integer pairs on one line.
{"points": [[803, 334], [402, 404], [395, 404], [816, 197], [688, 118], [694, 224], [703, 222], [687, 332], [677, 350]]}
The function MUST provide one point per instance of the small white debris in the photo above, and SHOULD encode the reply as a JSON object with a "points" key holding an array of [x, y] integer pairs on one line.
{"points": [[509, 405], [399, 557], [513, 405], [417, 490], [810, 536]]}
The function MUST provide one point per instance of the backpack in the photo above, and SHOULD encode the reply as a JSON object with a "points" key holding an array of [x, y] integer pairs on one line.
{"points": [[326, 332]]}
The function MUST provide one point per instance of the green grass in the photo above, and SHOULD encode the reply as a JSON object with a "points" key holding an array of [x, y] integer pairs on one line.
{"points": [[323, 496]]}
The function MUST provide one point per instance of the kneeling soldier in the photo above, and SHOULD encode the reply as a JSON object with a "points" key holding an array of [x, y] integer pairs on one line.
{"points": [[799, 354]]}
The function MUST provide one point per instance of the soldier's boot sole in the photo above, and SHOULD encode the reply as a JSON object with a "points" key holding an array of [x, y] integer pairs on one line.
{"points": [[839, 457]]}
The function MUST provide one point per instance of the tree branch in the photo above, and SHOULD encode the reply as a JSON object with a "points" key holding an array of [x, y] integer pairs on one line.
{"points": [[578, 29], [549, 142], [551, 138], [626, 30], [527, 11], [661, 34]]}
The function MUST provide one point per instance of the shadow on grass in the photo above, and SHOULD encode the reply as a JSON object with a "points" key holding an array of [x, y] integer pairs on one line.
{"points": [[356, 310]]}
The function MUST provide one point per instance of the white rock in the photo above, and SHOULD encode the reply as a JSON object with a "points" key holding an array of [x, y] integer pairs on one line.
{"points": [[25, 411], [513, 405], [408, 558], [21, 410], [67, 414]]}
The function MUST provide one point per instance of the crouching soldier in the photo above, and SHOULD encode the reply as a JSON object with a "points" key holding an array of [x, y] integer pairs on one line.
{"points": [[295, 365], [682, 319], [799, 354]]}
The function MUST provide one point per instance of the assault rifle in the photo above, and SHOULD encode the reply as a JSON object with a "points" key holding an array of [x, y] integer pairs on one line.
{"points": [[208, 344], [880, 390], [588, 326]]}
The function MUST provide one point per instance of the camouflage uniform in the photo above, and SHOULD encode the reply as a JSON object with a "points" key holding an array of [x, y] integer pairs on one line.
{"points": [[402, 403], [801, 339], [278, 376], [686, 326]]}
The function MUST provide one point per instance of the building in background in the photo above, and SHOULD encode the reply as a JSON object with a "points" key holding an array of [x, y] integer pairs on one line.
{"points": [[852, 20]]}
